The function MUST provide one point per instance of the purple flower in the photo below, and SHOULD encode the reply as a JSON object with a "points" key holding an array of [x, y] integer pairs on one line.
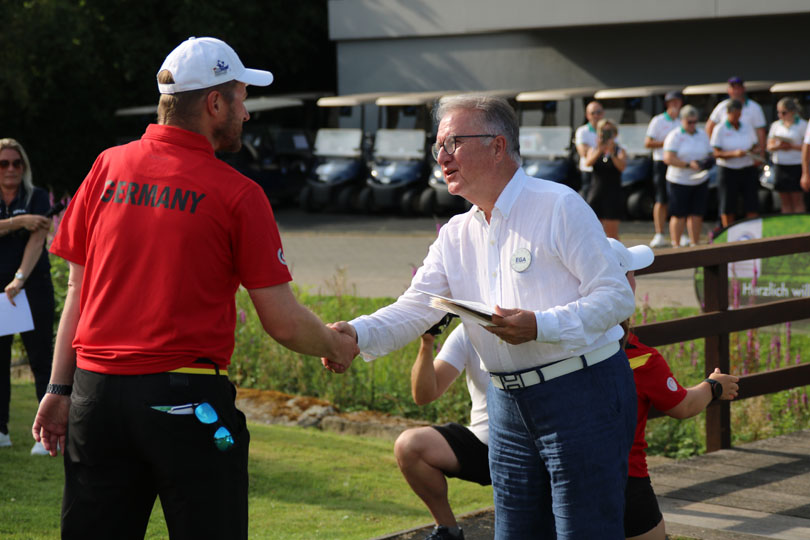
{"points": [[242, 316]]}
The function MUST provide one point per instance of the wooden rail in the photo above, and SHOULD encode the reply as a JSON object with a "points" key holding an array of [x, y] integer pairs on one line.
{"points": [[717, 322]]}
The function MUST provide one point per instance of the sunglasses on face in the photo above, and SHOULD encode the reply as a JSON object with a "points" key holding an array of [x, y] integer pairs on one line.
{"points": [[691, 122], [15, 163], [206, 414]]}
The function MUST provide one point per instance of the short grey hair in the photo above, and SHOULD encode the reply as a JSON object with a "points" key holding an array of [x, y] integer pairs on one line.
{"points": [[789, 104], [27, 177], [497, 116], [688, 111]]}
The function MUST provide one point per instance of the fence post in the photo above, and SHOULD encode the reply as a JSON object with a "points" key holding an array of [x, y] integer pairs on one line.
{"points": [[718, 416]]}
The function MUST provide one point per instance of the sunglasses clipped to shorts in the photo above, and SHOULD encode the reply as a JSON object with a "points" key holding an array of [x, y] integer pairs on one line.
{"points": [[206, 414]]}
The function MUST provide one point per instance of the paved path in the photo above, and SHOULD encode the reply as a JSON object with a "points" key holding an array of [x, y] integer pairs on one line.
{"points": [[375, 256], [756, 491]]}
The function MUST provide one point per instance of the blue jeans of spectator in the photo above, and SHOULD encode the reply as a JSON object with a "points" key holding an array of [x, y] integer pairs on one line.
{"points": [[558, 454]]}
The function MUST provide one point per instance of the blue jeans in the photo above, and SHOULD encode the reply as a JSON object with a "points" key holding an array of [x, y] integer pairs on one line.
{"points": [[558, 454]]}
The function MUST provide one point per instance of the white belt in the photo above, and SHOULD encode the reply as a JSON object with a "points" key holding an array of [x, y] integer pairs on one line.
{"points": [[513, 381]]}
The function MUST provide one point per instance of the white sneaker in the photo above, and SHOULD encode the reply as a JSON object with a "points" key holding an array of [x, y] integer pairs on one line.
{"points": [[658, 241], [685, 241], [39, 450], [5, 440]]}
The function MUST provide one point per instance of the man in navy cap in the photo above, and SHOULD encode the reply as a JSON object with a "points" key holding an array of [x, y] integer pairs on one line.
{"points": [[751, 112], [657, 131]]}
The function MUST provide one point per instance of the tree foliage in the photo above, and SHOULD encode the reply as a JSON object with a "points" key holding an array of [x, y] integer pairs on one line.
{"points": [[67, 65]]}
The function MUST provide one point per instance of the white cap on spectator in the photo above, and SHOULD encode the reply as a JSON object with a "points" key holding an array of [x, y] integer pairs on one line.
{"points": [[634, 258], [204, 62]]}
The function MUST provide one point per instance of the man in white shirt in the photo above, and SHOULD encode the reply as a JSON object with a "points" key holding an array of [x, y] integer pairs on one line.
{"points": [[561, 400], [751, 112], [659, 128], [427, 455], [585, 139], [805, 180]]}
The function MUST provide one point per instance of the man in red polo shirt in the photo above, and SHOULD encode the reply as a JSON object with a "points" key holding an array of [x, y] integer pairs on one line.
{"points": [[158, 238]]}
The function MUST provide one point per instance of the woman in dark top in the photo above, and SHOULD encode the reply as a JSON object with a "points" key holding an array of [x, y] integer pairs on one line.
{"points": [[24, 266], [608, 160]]}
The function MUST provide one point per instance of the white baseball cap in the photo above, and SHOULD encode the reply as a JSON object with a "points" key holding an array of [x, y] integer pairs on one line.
{"points": [[634, 258], [204, 62]]}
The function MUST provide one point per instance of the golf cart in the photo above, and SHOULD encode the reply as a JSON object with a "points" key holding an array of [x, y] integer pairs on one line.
{"points": [[705, 98], [401, 162], [546, 142], [340, 168], [633, 108]]}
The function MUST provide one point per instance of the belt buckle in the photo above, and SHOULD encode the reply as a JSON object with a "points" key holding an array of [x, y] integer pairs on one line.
{"points": [[512, 382]]}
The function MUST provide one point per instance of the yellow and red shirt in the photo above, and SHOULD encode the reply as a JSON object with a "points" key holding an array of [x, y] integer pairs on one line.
{"points": [[655, 385]]}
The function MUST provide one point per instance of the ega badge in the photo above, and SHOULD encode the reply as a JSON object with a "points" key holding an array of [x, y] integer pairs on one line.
{"points": [[521, 259]]}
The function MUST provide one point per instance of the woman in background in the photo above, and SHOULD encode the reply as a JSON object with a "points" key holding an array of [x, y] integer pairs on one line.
{"points": [[608, 160], [785, 145], [24, 266]]}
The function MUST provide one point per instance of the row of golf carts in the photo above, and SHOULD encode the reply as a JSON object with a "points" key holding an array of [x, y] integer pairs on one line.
{"points": [[347, 168]]}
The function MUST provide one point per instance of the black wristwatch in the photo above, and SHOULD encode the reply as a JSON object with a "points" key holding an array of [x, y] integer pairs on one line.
{"points": [[717, 388], [59, 389]]}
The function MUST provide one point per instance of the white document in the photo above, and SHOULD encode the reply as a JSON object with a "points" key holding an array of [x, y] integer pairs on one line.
{"points": [[14, 320], [469, 311]]}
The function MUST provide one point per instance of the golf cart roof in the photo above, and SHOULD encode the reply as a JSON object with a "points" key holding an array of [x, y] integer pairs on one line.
{"points": [[410, 99], [560, 94], [721, 87], [792, 86], [266, 103], [351, 100], [635, 91], [136, 111]]}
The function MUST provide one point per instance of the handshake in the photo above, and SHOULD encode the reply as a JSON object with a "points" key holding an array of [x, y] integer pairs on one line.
{"points": [[344, 348]]}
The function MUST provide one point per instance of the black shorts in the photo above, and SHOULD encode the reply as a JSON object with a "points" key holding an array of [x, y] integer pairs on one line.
{"points": [[660, 182], [471, 453], [787, 178], [732, 183], [687, 200], [641, 512]]}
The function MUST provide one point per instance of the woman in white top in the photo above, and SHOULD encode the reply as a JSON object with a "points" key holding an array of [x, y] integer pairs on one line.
{"points": [[735, 146], [687, 153], [785, 146]]}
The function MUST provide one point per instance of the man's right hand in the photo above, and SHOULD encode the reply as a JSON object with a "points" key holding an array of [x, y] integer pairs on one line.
{"points": [[805, 181], [50, 424], [345, 348]]}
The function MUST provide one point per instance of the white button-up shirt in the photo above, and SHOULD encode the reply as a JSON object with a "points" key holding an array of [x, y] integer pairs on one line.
{"points": [[573, 282]]}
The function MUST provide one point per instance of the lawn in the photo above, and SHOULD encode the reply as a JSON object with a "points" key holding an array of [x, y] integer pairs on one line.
{"points": [[304, 484]]}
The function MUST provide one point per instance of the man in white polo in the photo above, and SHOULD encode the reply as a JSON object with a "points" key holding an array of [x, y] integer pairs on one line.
{"points": [[585, 139], [751, 112], [657, 131]]}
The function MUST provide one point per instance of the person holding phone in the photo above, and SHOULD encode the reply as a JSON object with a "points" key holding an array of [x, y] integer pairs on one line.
{"points": [[24, 265], [735, 144], [785, 145], [608, 160]]}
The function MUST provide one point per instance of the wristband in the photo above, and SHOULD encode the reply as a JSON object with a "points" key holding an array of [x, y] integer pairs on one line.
{"points": [[59, 389], [717, 388]]}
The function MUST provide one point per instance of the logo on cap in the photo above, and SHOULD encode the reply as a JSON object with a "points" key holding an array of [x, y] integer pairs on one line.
{"points": [[221, 68]]}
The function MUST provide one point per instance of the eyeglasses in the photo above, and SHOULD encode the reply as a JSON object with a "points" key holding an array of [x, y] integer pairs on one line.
{"points": [[780, 113], [450, 144], [598, 112], [15, 164], [691, 122], [206, 414]]}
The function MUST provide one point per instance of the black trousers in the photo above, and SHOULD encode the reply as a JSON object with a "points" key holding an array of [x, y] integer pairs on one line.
{"points": [[38, 342], [121, 454]]}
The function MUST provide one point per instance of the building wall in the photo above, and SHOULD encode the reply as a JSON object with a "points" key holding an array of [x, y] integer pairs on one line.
{"points": [[370, 19]]}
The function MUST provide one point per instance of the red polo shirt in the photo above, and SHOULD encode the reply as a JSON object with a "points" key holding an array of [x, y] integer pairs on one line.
{"points": [[167, 233]]}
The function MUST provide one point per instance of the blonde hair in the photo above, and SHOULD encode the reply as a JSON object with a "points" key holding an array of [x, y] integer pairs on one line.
{"points": [[183, 107], [607, 122], [27, 177]]}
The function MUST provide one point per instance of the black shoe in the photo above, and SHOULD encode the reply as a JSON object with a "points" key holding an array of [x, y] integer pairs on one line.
{"points": [[440, 532]]}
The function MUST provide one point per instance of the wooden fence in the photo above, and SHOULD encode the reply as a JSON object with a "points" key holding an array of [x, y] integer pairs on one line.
{"points": [[717, 322]]}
